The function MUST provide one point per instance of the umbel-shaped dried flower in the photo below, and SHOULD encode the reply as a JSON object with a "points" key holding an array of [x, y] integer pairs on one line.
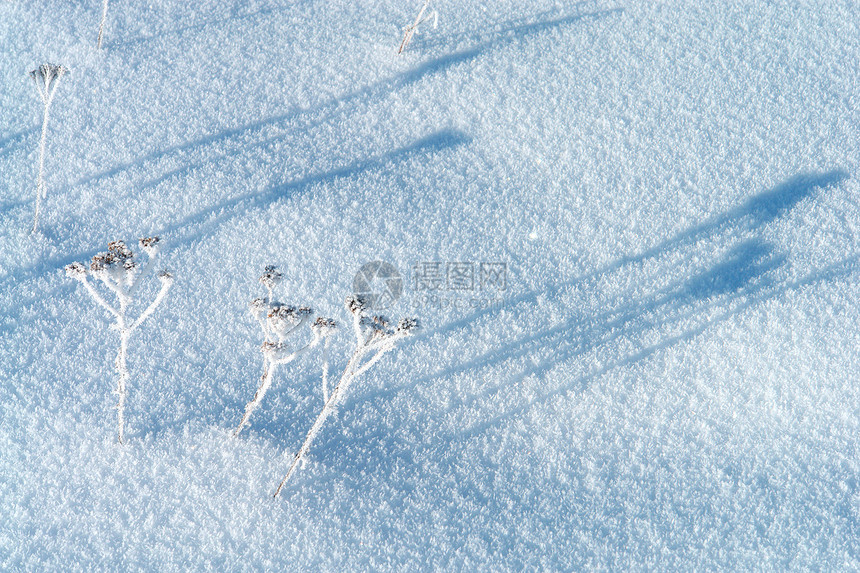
{"points": [[121, 274], [46, 77], [374, 337], [278, 321]]}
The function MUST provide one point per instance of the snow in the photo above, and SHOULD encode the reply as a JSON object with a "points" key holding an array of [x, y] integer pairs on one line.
{"points": [[670, 383]]}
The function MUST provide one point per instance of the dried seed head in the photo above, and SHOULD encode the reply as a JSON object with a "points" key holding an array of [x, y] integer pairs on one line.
{"points": [[271, 277], [165, 276], [120, 250], [409, 325], [282, 312], [323, 327], [45, 77], [269, 347], [118, 256], [356, 304], [150, 245], [47, 73], [76, 271]]}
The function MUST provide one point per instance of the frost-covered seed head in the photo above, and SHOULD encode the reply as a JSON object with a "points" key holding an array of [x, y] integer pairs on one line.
{"points": [[118, 261], [269, 347], [271, 277], [356, 304], [282, 312], [48, 72], [281, 318], [323, 327], [76, 271], [150, 245], [165, 276], [45, 76], [408, 325]]}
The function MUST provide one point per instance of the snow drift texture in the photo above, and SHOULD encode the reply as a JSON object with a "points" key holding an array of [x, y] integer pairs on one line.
{"points": [[672, 382]]}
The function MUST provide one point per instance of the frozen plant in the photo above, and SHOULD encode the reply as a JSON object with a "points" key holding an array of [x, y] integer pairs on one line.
{"points": [[121, 274], [278, 321], [374, 336], [102, 25], [47, 77], [422, 17]]}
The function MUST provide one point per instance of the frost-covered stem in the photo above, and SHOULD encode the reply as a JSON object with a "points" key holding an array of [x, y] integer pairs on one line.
{"points": [[122, 386], [99, 298], [165, 286], [102, 25], [270, 361], [410, 31], [40, 185], [325, 370], [265, 383], [327, 409], [351, 371]]}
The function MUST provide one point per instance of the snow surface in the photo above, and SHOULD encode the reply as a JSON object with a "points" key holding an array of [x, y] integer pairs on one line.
{"points": [[671, 383]]}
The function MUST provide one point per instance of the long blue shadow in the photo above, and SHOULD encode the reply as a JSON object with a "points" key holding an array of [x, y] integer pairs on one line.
{"points": [[211, 23], [334, 107], [14, 141], [205, 221], [751, 215]]}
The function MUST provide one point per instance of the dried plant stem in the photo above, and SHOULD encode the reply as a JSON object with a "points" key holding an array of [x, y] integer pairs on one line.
{"points": [[410, 31], [353, 369], [46, 78], [325, 370], [102, 25], [40, 185], [265, 384], [122, 383], [269, 365], [122, 287]]}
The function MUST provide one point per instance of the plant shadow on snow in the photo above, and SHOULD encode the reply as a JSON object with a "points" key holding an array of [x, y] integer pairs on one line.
{"points": [[746, 276], [479, 43], [205, 221], [497, 34], [230, 20], [15, 141]]}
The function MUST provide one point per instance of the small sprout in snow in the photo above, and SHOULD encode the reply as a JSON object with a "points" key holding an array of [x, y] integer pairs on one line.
{"points": [[47, 77]]}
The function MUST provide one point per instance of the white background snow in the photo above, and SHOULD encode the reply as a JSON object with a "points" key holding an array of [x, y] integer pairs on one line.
{"points": [[671, 383]]}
